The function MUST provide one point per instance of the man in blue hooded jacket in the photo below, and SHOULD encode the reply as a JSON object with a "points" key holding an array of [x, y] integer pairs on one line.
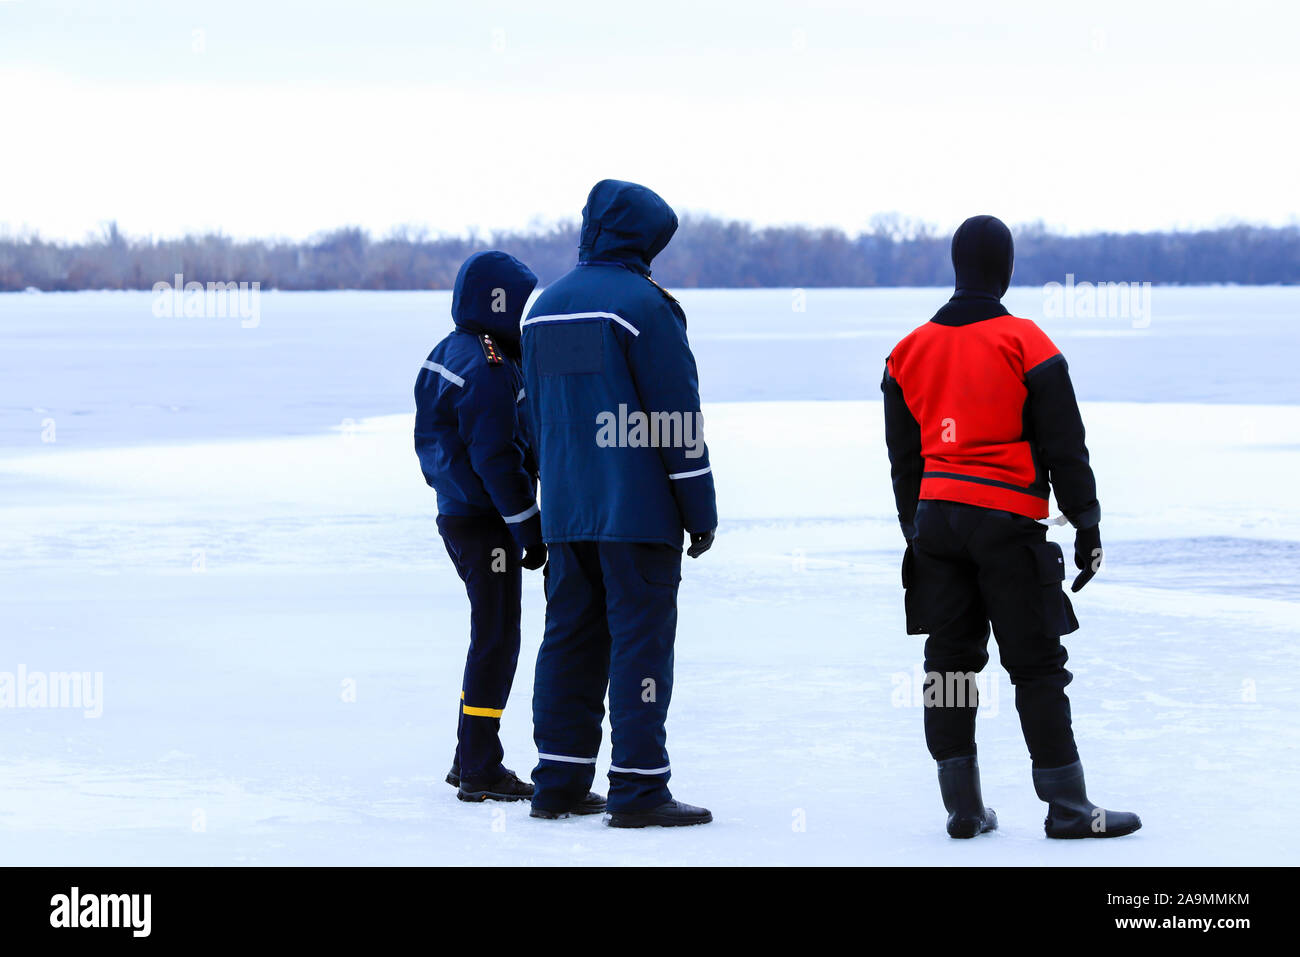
{"points": [[613, 395], [471, 438]]}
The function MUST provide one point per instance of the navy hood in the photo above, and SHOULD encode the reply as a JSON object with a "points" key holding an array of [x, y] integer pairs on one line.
{"points": [[625, 223], [491, 291], [983, 256]]}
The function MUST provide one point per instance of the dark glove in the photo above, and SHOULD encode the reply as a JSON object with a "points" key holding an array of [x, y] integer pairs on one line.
{"points": [[1087, 555], [534, 557], [701, 542]]}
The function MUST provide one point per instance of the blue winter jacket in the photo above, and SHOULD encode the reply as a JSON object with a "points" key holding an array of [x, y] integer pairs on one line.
{"points": [[612, 389], [470, 431]]}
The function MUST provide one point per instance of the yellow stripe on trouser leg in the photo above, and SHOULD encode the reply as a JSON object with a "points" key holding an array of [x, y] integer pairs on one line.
{"points": [[482, 712]]}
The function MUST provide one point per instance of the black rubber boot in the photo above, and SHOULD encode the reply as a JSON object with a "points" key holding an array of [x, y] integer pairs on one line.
{"points": [[593, 803], [453, 777], [508, 787], [959, 783], [1069, 812], [668, 814]]}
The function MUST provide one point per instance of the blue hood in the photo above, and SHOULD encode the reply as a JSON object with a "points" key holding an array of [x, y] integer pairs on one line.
{"points": [[625, 223], [491, 291]]}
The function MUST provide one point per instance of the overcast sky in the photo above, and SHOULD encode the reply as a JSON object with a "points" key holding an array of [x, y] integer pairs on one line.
{"points": [[286, 118]]}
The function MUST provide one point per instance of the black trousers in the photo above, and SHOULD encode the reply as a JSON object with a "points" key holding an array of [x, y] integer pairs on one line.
{"points": [[967, 569], [487, 560]]}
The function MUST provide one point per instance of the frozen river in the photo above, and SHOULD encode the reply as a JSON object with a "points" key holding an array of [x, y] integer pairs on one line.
{"points": [[108, 372], [275, 635]]}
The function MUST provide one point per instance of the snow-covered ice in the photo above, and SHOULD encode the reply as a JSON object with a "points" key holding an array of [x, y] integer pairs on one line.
{"points": [[231, 592]]}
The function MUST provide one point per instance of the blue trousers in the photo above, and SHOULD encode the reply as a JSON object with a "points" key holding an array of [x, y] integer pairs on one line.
{"points": [[611, 619], [487, 560]]}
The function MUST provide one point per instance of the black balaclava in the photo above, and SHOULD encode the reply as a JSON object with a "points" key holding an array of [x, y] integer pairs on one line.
{"points": [[983, 256]]}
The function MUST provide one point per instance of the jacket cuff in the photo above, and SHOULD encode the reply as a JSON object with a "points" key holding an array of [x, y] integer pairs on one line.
{"points": [[699, 512], [528, 531], [696, 502]]}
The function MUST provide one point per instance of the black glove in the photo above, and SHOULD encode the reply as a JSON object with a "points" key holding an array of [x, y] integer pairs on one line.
{"points": [[1087, 555], [701, 542], [534, 557]]}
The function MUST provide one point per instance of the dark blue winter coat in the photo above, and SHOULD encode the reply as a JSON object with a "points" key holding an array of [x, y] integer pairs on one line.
{"points": [[612, 389], [470, 431]]}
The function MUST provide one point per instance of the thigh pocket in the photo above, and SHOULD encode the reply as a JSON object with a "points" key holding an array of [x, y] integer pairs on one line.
{"points": [[659, 564], [1058, 613], [912, 604], [570, 347]]}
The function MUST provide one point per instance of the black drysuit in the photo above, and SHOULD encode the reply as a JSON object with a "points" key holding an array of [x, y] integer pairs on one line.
{"points": [[980, 418]]}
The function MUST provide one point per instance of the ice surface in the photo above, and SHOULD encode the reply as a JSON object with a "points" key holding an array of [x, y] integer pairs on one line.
{"points": [[109, 372], [228, 589]]}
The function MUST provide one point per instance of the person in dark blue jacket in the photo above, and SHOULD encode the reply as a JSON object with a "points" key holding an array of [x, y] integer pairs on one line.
{"points": [[471, 438], [613, 395]]}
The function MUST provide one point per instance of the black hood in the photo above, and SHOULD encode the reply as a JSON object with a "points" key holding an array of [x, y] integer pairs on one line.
{"points": [[983, 256]]}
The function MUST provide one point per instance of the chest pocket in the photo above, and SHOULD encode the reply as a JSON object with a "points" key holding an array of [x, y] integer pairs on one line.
{"points": [[570, 348]]}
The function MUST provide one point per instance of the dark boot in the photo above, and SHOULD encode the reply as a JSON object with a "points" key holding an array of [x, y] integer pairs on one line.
{"points": [[959, 783], [668, 814], [508, 787], [453, 776], [1069, 812], [593, 803]]}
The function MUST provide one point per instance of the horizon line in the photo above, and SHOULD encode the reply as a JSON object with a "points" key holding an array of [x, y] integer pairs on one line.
{"points": [[907, 228]]}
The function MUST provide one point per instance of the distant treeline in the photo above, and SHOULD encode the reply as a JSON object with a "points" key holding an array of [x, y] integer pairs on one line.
{"points": [[707, 252]]}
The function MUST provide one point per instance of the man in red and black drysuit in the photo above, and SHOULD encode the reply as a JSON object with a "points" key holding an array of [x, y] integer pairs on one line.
{"points": [[981, 422]]}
